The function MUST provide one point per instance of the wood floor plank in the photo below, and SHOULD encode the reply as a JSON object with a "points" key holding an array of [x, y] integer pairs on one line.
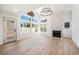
{"points": [[40, 45]]}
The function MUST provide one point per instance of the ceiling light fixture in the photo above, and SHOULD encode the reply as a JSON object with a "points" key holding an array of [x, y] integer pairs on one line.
{"points": [[15, 9], [46, 12]]}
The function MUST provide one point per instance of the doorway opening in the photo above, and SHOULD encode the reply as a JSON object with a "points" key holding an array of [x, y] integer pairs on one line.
{"points": [[9, 29]]}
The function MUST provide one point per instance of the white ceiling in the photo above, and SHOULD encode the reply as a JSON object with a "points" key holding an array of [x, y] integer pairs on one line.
{"points": [[65, 7], [28, 7], [21, 7]]}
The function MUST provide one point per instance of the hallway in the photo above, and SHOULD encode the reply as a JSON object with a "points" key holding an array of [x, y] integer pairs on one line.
{"points": [[40, 45]]}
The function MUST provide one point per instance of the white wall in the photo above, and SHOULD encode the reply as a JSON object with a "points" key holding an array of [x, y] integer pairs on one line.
{"points": [[67, 17], [1, 31], [75, 24], [18, 29]]}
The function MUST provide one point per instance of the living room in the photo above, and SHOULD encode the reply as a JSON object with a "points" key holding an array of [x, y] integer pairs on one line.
{"points": [[45, 29]]}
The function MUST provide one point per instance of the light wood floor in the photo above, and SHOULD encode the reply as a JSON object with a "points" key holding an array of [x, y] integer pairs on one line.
{"points": [[40, 45]]}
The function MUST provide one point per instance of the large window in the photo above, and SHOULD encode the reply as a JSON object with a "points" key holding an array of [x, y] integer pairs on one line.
{"points": [[33, 24]]}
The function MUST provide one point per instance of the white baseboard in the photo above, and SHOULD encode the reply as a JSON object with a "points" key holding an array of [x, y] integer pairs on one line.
{"points": [[77, 44]]}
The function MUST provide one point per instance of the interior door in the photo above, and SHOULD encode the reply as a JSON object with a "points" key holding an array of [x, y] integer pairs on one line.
{"points": [[9, 29]]}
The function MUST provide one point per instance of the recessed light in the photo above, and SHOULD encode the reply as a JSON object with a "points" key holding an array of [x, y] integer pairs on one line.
{"points": [[15, 9]]}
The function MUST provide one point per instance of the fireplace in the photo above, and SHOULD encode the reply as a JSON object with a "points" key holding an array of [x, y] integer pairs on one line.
{"points": [[56, 33]]}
